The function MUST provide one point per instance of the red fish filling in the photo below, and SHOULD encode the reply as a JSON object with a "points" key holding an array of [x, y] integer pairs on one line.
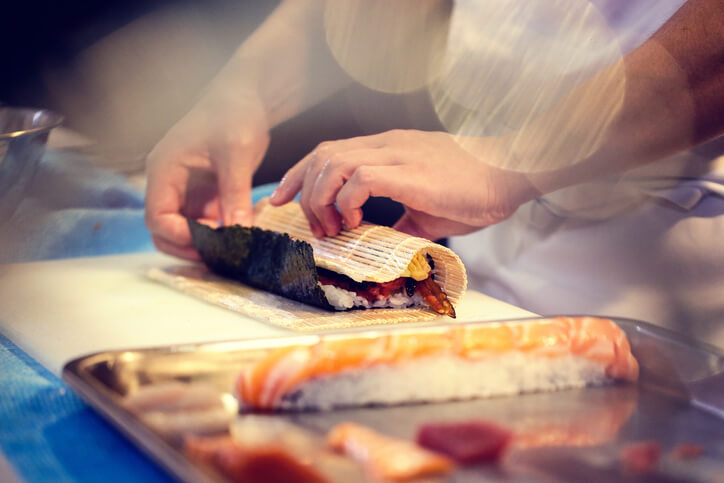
{"points": [[372, 291]]}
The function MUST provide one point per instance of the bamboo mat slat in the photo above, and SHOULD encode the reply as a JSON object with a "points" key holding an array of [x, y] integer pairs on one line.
{"points": [[267, 307]]}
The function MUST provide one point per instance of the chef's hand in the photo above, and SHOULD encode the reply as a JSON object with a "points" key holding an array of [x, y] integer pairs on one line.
{"points": [[445, 189], [203, 169]]}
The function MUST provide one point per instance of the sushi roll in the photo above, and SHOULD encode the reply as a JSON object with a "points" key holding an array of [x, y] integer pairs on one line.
{"points": [[368, 267], [463, 362]]}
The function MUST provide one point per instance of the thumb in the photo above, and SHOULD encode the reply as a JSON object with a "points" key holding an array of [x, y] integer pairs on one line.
{"points": [[234, 176]]}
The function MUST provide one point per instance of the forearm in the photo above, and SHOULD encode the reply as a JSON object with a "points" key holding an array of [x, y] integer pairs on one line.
{"points": [[673, 98], [286, 61]]}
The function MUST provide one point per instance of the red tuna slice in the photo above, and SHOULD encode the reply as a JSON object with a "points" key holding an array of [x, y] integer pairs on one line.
{"points": [[264, 464], [640, 458], [465, 442], [687, 451]]}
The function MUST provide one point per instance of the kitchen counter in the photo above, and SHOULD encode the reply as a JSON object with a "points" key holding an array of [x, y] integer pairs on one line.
{"points": [[70, 297], [53, 311]]}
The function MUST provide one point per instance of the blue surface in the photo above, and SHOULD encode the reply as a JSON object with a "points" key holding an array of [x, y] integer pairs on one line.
{"points": [[73, 209], [47, 433]]}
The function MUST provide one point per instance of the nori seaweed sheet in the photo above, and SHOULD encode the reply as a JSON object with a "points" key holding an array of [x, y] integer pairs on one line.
{"points": [[261, 258]]}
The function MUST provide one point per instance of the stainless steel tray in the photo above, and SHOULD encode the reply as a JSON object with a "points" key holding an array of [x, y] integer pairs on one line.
{"points": [[572, 435]]}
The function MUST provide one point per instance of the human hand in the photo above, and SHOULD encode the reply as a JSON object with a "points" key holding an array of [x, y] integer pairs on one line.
{"points": [[203, 168], [446, 190]]}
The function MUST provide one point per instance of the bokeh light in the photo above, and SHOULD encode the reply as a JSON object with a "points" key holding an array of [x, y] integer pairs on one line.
{"points": [[510, 68], [389, 46]]}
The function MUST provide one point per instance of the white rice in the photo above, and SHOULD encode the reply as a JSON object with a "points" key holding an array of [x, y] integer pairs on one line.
{"points": [[442, 378], [342, 299]]}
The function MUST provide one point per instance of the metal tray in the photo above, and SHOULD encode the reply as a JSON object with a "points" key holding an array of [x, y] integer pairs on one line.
{"points": [[572, 435]]}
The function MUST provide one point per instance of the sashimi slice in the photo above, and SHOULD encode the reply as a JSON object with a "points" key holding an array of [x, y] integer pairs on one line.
{"points": [[386, 457], [268, 464], [466, 442], [582, 350]]}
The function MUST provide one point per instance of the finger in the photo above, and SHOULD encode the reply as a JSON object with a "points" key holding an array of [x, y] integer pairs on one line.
{"points": [[366, 181], [172, 227], [235, 164], [164, 218], [292, 181], [314, 166], [164, 200], [212, 210], [185, 252], [326, 185], [202, 195], [332, 177]]}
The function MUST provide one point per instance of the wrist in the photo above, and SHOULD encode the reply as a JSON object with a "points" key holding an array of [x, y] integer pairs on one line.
{"points": [[553, 164], [508, 168]]}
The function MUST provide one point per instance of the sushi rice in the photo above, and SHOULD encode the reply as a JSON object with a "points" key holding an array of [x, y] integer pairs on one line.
{"points": [[342, 299], [442, 378]]}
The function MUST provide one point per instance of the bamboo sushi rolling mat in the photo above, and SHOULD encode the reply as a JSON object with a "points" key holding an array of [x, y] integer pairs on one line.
{"points": [[198, 281], [368, 252]]}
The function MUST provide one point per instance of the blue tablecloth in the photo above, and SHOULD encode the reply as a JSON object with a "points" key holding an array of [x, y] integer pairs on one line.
{"points": [[72, 209], [46, 432]]}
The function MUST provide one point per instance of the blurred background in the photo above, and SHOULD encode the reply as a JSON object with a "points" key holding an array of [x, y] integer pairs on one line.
{"points": [[122, 72], [63, 52]]}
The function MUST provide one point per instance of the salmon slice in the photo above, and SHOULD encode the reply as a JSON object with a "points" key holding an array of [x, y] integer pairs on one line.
{"points": [[596, 339], [262, 384], [267, 464], [336, 355], [593, 338], [487, 339], [386, 457], [403, 347], [603, 341]]}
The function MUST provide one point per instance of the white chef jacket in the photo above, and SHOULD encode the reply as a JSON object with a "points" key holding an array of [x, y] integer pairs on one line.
{"points": [[648, 245]]}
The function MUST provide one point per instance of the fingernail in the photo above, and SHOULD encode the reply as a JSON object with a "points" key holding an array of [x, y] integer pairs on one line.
{"points": [[334, 227], [349, 223], [316, 230], [275, 193]]}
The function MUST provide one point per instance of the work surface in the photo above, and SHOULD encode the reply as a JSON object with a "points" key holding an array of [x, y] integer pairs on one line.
{"points": [[59, 310]]}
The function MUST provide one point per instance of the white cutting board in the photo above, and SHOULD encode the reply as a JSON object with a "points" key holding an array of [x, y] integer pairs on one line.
{"points": [[58, 310]]}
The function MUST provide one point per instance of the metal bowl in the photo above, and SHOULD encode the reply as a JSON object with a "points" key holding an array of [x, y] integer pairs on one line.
{"points": [[23, 135]]}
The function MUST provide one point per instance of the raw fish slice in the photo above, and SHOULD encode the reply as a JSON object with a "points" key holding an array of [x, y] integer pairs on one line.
{"points": [[256, 465], [459, 362], [386, 457], [466, 442]]}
